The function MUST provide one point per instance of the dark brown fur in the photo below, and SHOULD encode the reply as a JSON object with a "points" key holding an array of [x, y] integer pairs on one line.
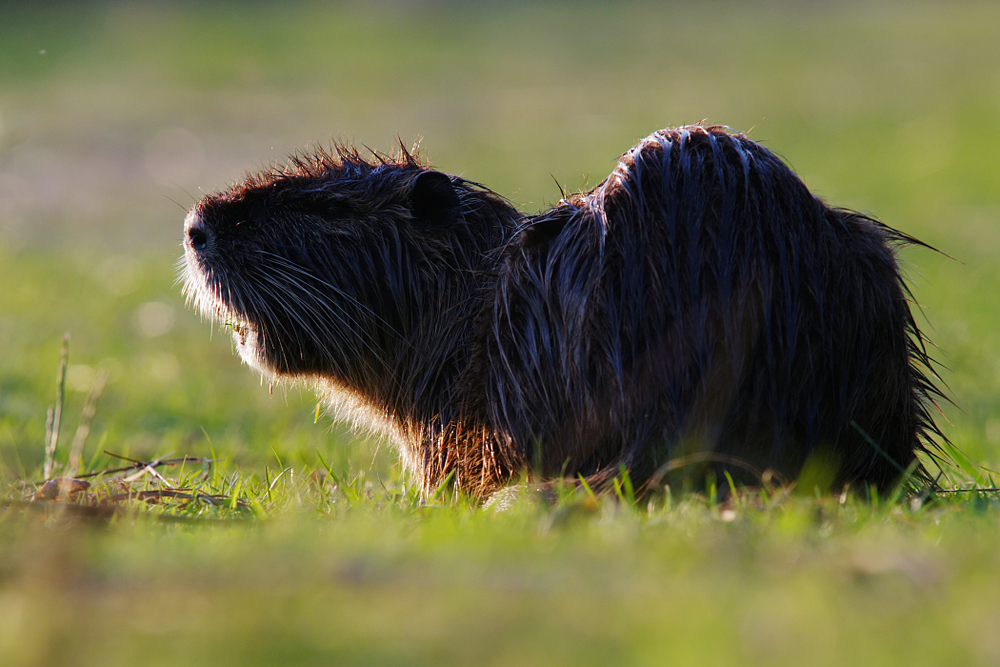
{"points": [[700, 305]]}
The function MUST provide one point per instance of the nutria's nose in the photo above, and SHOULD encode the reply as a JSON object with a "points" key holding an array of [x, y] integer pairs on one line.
{"points": [[196, 233]]}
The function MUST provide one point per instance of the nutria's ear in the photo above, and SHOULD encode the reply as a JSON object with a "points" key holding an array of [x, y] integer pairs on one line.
{"points": [[433, 198]]}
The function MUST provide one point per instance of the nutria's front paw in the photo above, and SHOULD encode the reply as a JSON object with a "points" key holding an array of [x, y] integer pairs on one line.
{"points": [[536, 493]]}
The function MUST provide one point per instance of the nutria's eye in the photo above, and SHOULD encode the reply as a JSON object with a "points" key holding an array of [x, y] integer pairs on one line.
{"points": [[433, 198]]}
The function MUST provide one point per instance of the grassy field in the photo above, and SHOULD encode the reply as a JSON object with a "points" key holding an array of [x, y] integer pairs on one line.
{"points": [[302, 543]]}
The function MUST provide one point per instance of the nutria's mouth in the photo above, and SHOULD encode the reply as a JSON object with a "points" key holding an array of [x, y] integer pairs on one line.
{"points": [[245, 339], [235, 326], [209, 303], [242, 331]]}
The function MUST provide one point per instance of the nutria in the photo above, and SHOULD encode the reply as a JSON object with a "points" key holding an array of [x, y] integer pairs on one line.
{"points": [[699, 305]]}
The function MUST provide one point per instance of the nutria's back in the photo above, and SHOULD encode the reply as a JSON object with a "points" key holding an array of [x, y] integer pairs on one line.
{"points": [[699, 306]]}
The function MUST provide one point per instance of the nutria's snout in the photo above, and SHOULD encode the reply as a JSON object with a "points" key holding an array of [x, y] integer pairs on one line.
{"points": [[200, 274], [197, 235], [196, 242]]}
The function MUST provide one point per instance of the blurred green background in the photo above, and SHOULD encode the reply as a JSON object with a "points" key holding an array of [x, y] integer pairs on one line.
{"points": [[115, 117]]}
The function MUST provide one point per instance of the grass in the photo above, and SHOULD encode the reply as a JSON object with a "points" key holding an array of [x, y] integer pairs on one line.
{"points": [[301, 542], [326, 572]]}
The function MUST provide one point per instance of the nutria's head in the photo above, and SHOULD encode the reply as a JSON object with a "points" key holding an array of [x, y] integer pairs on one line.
{"points": [[327, 266]]}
